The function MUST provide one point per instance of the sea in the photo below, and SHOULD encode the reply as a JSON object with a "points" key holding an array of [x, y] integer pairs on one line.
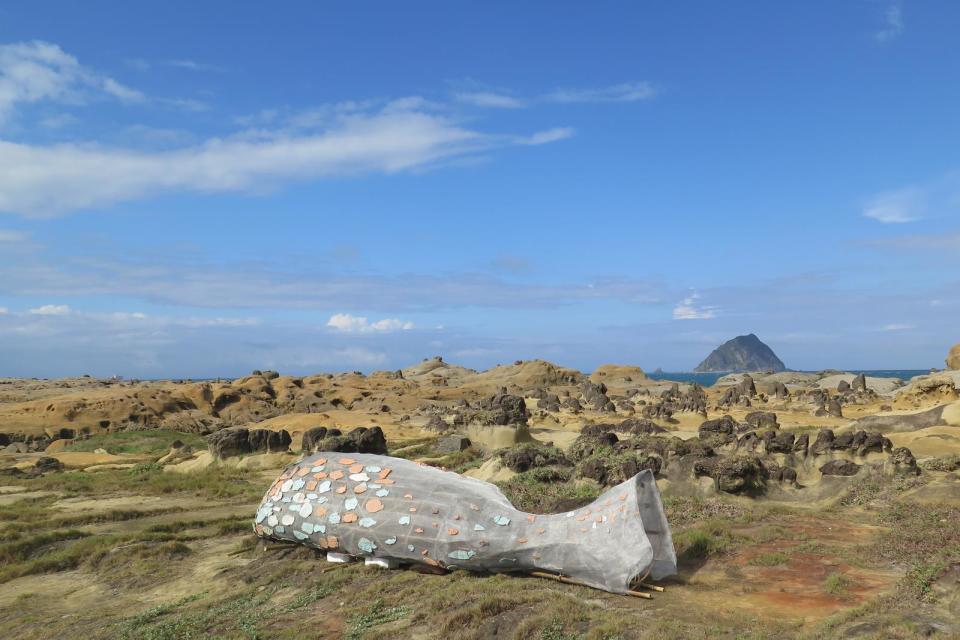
{"points": [[709, 379]]}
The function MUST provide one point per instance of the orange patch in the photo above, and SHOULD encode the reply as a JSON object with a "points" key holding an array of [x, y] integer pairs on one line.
{"points": [[373, 505], [521, 541], [418, 530], [360, 488], [413, 509], [408, 496], [320, 461], [531, 517], [303, 471], [384, 481], [451, 531], [346, 460], [336, 475], [357, 468], [320, 475], [424, 553], [349, 517], [541, 531], [311, 485], [332, 542], [341, 489], [623, 497], [384, 473], [581, 518], [319, 511]]}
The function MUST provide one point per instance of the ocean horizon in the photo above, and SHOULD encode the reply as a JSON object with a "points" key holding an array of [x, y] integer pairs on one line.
{"points": [[709, 379]]}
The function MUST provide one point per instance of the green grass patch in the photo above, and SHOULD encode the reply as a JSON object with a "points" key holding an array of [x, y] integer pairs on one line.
{"points": [[374, 615], [836, 584], [708, 538], [150, 479], [548, 490], [148, 442]]}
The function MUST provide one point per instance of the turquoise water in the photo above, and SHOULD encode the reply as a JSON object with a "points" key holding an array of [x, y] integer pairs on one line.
{"points": [[708, 379]]}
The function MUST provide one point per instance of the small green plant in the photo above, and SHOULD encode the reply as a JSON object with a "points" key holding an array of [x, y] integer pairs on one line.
{"points": [[376, 614], [836, 584]]}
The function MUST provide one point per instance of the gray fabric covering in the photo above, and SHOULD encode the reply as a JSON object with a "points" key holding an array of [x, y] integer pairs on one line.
{"points": [[371, 505]]}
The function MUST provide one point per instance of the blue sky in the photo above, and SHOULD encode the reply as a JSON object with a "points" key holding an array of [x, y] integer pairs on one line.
{"points": [[200, 189]]}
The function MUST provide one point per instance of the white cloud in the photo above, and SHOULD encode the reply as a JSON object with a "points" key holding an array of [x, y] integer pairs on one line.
{"points": [[358, 324], [897, 327], [937, 197], [688, 309], [41, 71], [47, 180], [894, 207], [193, 65], [4, 311], [892, 24], [546, 137], [51, 310], [490, 99], [625, 92]]}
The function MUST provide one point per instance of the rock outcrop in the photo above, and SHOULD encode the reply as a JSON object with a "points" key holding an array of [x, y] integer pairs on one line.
{"points": [[953, 358]]}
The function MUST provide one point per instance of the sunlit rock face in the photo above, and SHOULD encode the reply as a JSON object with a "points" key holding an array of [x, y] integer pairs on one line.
{"points": [[382, 507]]}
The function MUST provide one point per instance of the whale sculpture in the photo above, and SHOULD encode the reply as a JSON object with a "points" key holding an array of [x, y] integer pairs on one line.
{"points": [[400, 511]]}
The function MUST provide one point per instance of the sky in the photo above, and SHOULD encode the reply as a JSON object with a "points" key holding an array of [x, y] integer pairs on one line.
{"points": [[199, 189]]}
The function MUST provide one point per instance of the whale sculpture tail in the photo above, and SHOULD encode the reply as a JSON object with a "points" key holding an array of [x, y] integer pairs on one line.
{"points": [[381, 507]]}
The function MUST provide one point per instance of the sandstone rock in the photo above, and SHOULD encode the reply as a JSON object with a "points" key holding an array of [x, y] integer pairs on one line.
{"points": [[903, 462], [724, 425], [452, 444], [503, 409], [834, 409], [742, 474], [360, 440], [436, 423], [313, 437], [779, 442], [530, 456], [843, 386], [953, 358], [762, 420], [229, 442], [823, 442], [860, 383], [840, 468]]}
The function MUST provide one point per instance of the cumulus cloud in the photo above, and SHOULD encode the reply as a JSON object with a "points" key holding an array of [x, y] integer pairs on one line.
{"points": [[41, 71], [51, 310], [358, 324], [689, 309]]}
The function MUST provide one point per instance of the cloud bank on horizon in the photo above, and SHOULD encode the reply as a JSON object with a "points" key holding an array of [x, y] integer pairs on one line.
{"points": [[344, 197]]}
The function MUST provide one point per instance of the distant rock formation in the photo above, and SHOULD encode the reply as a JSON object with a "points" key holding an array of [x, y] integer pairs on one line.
{"points": [[743, 353], [953, 358]]}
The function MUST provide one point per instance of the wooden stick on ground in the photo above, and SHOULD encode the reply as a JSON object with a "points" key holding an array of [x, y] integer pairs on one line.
{"points": [[652, 587], [558, 578]]}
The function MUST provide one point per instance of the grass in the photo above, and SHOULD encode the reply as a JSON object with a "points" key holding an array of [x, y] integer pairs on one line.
{"points": [[151, 479], [148, 442], [543, 490], [708, 538], [375, 614], [836, 584]]}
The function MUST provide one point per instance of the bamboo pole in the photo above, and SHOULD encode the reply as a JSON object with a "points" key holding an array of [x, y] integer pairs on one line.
{"points": [[652, 587], [559, 578]]}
